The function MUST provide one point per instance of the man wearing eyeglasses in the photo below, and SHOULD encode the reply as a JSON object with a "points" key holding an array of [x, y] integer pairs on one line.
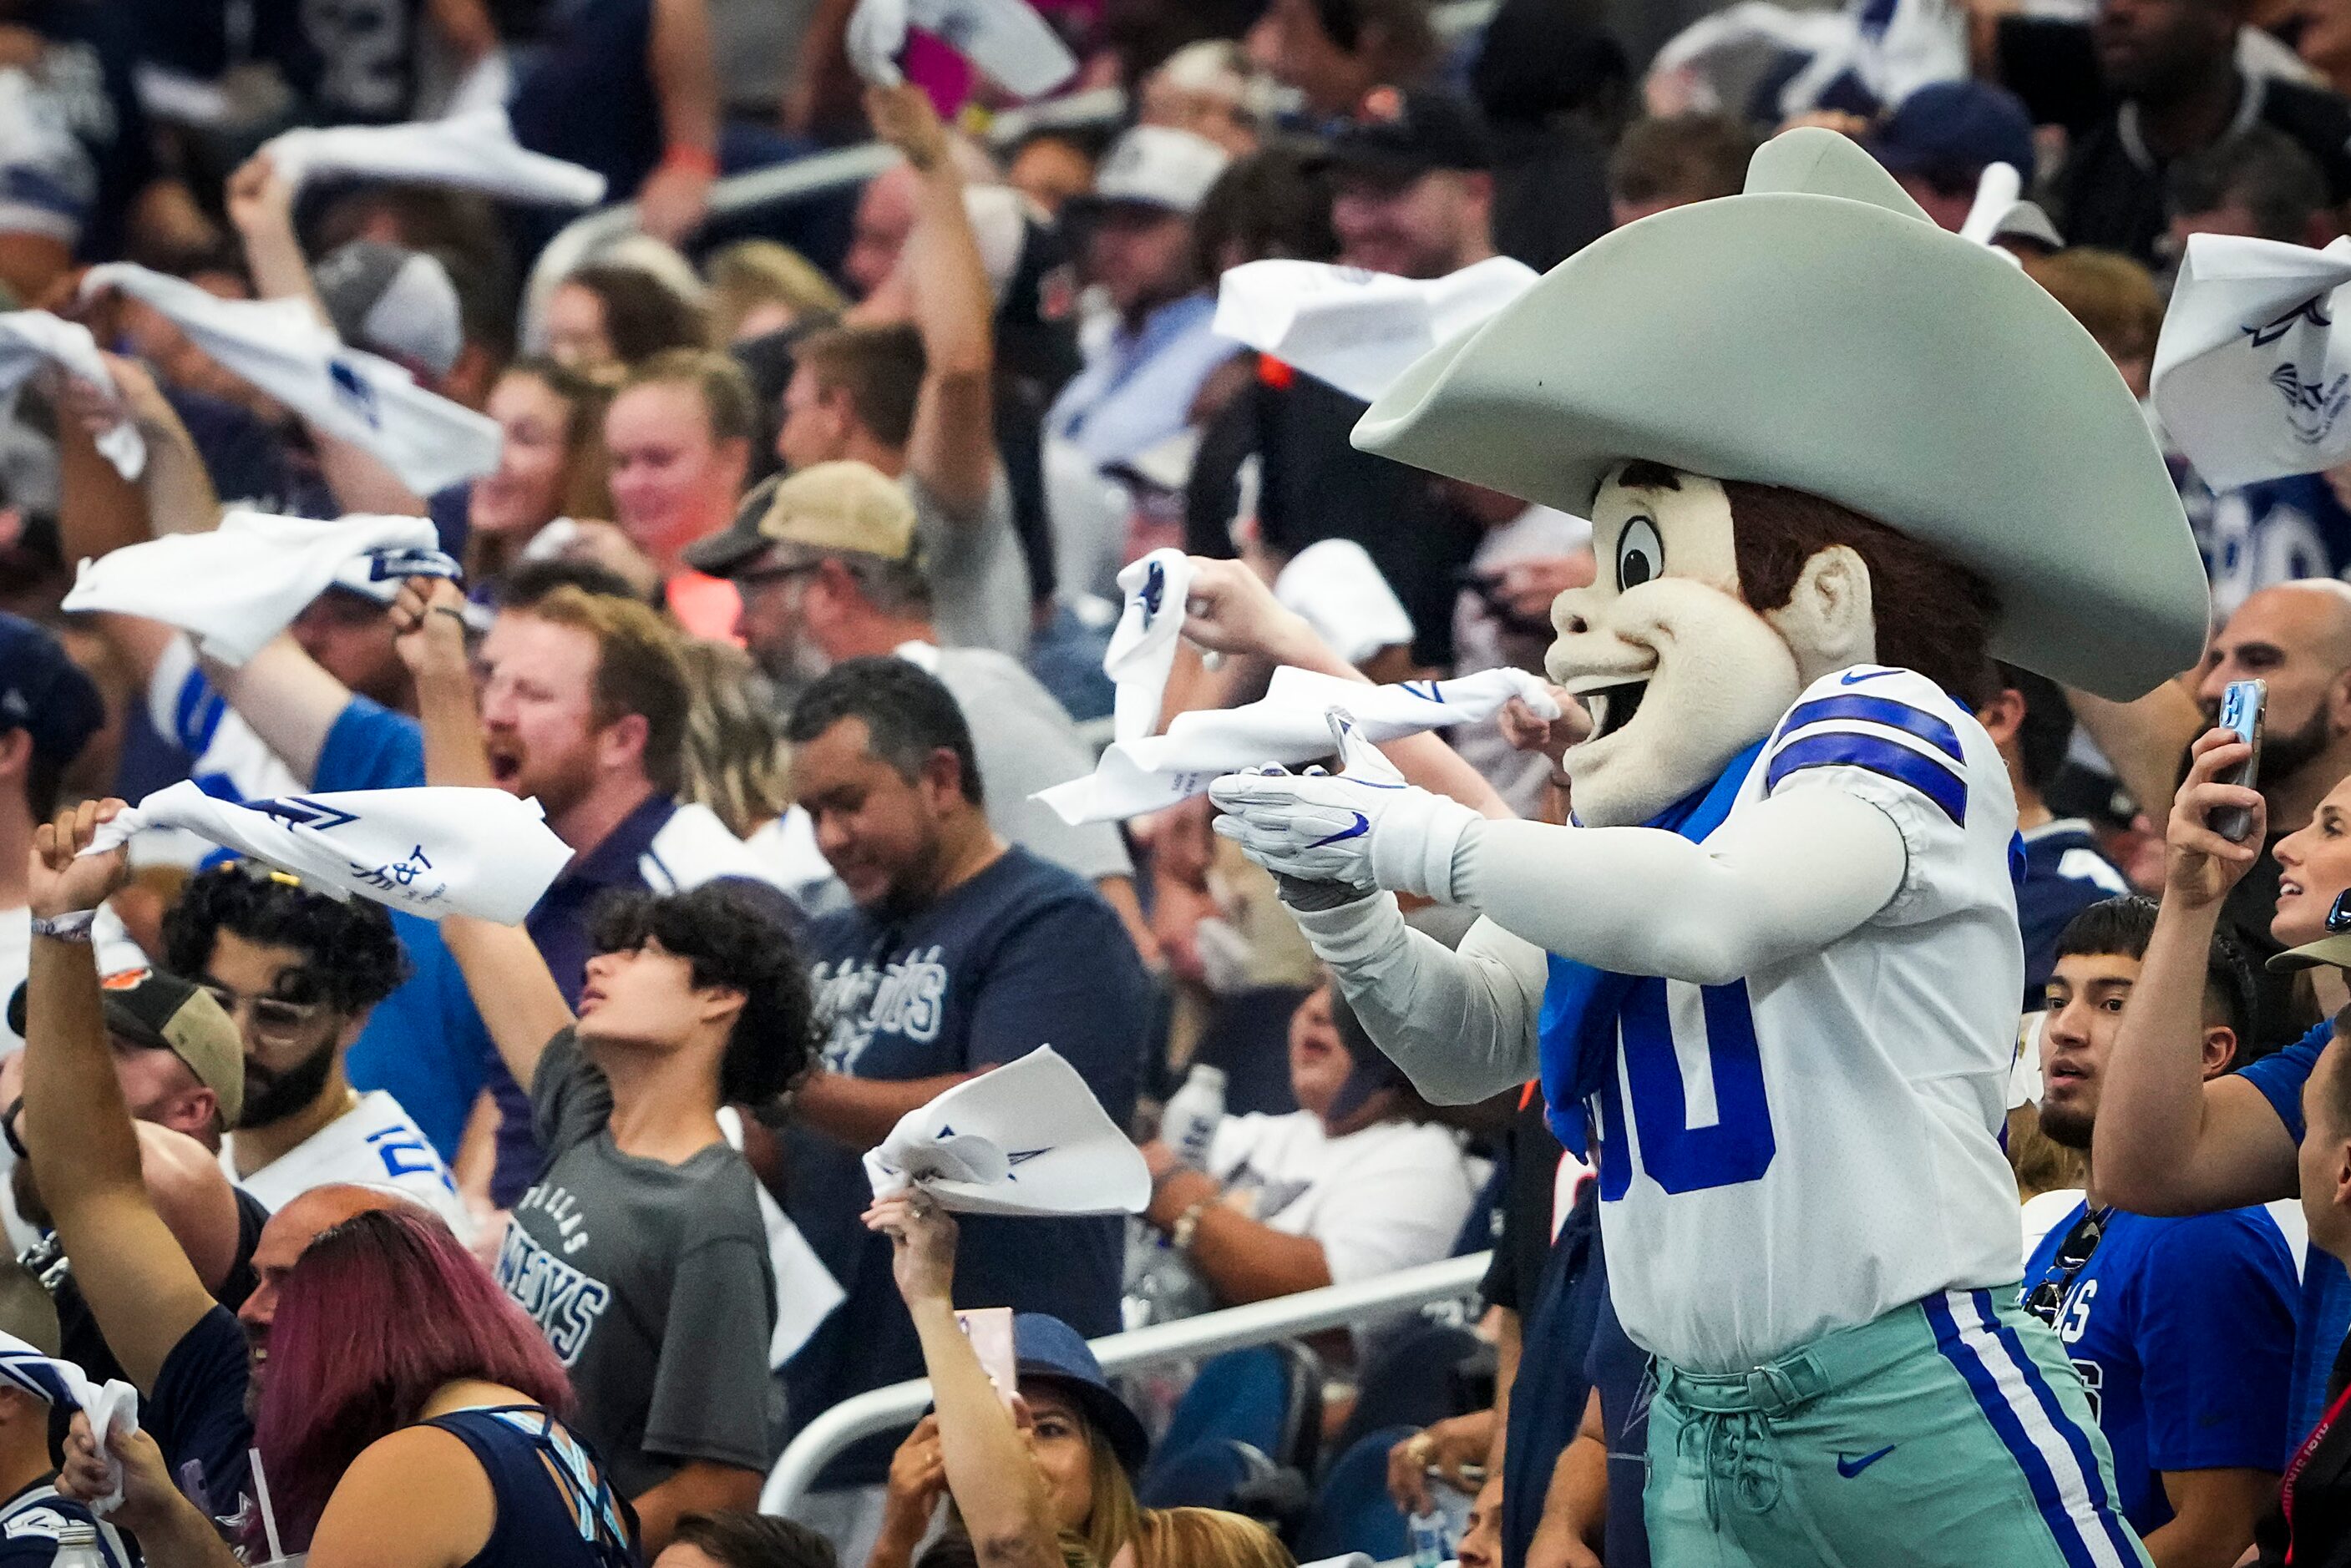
{"points": [[2182, 1328], [298, 972]]}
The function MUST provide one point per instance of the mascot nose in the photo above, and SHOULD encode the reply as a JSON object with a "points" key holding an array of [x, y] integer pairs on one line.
{"points": [[1574, 626]]}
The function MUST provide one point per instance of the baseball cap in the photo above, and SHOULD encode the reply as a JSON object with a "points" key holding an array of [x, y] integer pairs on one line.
{"points": [[826, 506], [393, 301], [159, 1011], [1402, 133], [1951, 131], [1047, 1347], [1157, 166], [44, 692]]}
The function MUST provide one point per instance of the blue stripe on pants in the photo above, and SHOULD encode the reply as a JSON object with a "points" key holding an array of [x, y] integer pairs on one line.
{"points": [[2004, 1421], [2077, 1441]]}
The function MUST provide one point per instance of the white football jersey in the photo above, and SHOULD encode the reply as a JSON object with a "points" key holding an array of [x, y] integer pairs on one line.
{"points": [[1816, 1145], [373, 1144]]}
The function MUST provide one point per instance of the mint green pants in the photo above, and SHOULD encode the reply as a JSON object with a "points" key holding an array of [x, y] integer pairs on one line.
{"points": [[1952, 1430]]}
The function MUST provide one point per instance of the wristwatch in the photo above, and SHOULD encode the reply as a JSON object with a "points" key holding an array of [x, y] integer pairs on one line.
{"points": [[73, 926]]}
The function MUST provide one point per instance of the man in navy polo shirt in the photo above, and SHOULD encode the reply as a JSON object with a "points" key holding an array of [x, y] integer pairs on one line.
{"points": [[2182, 1328], [960, 954], [583, 708]]}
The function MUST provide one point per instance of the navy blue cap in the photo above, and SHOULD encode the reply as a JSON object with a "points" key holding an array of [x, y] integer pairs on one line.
{"points": [[1950, 133], [43, 690], [1048, 1348], [1402, 133]]}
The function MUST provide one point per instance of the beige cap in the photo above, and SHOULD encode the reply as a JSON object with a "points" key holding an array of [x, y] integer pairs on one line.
{"points": [[826, 507]]}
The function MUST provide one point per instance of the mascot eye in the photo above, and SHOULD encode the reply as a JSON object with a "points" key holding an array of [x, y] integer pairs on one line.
{"points": [[1640, 554]]}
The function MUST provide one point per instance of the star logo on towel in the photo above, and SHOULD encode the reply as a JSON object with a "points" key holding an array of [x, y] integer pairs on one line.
{"points": [[295, 812], [2312, 408], [1020, 1157], [353, 391], [2270, 332]]}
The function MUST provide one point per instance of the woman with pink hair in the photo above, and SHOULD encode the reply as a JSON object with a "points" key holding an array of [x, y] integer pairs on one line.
{"points": [[412, 1418]]}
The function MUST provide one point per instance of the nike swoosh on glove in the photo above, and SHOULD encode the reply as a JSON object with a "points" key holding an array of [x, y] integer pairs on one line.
{"points": [[1364, 829]]}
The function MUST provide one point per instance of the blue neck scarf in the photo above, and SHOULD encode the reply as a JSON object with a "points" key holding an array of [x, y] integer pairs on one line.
{"points": [[1577, 1028]]}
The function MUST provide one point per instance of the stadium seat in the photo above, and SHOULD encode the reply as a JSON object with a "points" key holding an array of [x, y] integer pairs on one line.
{"points": [[1354, 1513], [1268, 1397], [1419, 1374], [1208, 1474]]}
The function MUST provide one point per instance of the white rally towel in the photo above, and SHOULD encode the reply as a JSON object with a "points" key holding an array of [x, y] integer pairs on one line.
{"points": [[1028, 1137], [238, 586], [1143, 644], [30, 339], [113, 1408], [1998, 190], [1337, 587], [432, 850], [1004, 38], [475, 152], [1289, 724], [2250, 379], [281, 347], [1358, 330]]}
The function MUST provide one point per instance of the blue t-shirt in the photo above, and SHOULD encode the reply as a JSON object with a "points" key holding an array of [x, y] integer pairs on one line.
{"points": [[1022, 955], [2325, 1320], [425, 1045], [2182, 1330]]}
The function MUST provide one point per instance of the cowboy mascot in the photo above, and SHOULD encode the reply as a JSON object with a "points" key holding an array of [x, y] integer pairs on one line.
{"points": [[1836, 460]]}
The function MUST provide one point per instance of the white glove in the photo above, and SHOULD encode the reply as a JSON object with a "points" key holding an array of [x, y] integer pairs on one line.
{"points": [[1364, 829]]}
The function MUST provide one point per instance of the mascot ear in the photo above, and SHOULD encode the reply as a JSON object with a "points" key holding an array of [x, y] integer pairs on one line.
{"points": [[1829, 619]]}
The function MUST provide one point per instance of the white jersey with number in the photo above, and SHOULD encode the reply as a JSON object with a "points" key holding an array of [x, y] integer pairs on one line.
{"points": [[1816, 1145], [373, 1144]]}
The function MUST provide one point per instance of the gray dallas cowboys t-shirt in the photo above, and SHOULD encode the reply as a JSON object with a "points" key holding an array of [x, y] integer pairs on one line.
{"points": [[652, 1283]]}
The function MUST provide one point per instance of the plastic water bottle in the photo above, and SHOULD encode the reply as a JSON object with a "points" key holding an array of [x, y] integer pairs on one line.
{"points": [[78, 1548], [1430, 1548], [1189, 1123]]}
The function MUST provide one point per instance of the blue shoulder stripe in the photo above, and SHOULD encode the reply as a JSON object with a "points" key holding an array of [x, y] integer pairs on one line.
{"points": [[1890, 759], [1936, 732]]}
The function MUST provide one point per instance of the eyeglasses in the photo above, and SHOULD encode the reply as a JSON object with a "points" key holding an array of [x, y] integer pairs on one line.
{"points": [[2047, 1299], [274, 1022]]}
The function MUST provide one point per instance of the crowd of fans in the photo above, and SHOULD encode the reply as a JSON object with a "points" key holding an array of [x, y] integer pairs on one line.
{"points": [[454, 1242]]}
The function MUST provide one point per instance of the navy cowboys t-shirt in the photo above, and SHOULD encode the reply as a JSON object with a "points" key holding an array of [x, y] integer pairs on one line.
{"points": [[1022, 955]]}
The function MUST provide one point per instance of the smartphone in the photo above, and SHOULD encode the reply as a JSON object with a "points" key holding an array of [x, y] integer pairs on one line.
{"points": [[989, 1329], [2242, 705]]}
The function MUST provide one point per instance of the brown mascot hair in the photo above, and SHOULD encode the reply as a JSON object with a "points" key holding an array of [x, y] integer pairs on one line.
{"points": [[1932, 614]]}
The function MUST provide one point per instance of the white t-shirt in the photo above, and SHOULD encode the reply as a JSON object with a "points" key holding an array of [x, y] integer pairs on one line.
{"points": [[1388, 1196], [373, 1144], [225, 756], [1816, 1144]]}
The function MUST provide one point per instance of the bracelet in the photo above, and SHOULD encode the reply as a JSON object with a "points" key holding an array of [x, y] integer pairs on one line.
{"points": [[8, 1128], [1187, 1224], [685, 155], [73, 926]]}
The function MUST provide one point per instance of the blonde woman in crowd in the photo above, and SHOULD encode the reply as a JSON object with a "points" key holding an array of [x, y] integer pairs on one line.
{"points": [[1046, 1482]]}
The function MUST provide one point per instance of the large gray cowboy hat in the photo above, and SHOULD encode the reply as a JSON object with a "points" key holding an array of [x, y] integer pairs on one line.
{"points": [[1819, 332]]}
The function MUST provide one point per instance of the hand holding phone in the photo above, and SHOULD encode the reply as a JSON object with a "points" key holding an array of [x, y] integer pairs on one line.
{"points": [[2243, 706]]}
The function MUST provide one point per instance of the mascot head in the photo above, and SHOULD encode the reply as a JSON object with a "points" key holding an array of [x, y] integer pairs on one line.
{"points": [[1716, 603], [1811, 430]]}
